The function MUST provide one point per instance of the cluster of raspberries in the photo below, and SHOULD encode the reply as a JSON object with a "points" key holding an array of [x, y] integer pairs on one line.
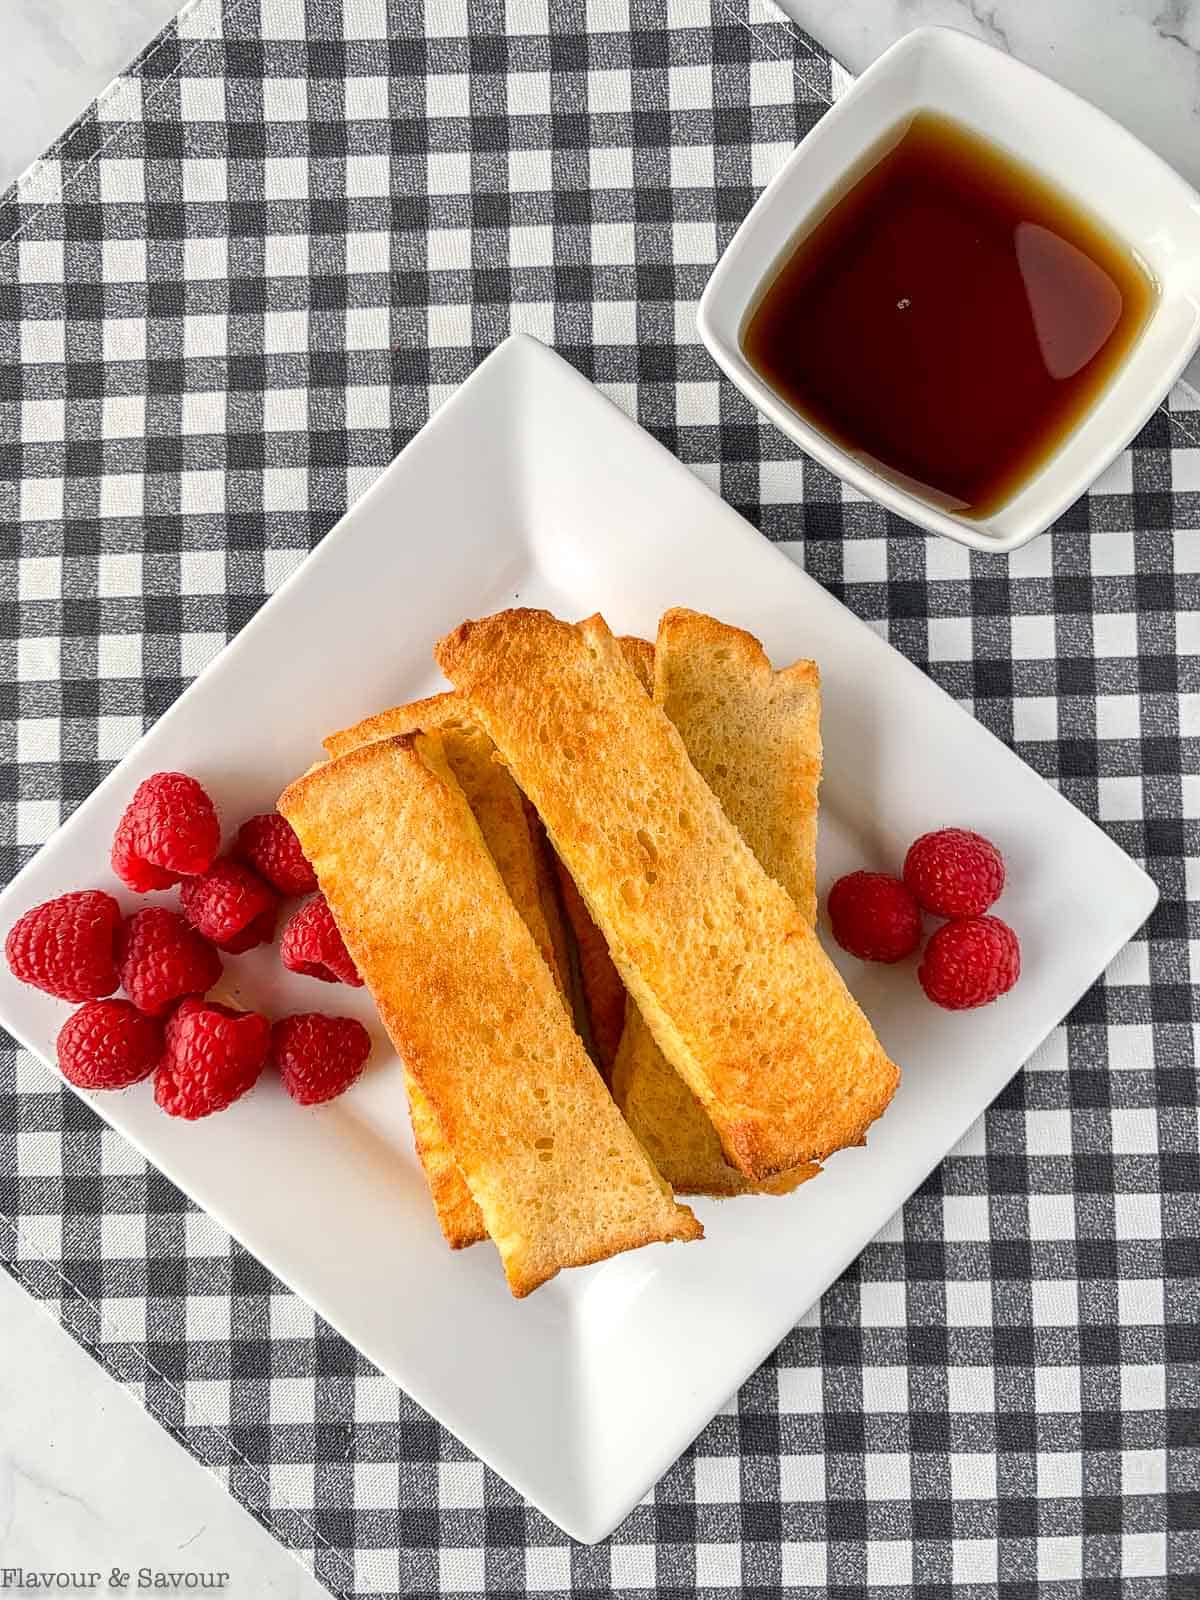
{"points": [[204, 1055], [953, 873]]}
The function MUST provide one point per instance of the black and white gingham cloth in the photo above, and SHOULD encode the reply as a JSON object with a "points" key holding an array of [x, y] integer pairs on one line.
{"points": [[230, 295]]}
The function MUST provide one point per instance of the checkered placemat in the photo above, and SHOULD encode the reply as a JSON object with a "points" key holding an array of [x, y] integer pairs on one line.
{"points": [[229, 295]]}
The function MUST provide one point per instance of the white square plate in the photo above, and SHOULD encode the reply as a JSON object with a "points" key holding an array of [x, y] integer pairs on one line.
{"points": [[584, 1394]]}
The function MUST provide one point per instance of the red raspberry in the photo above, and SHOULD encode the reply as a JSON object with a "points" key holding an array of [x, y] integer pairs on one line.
{"points": [[230, 905], [162, 959], [311, 944], [970, 963], [168, 831], [109, 1044], [874, 916], [213, 1056], [269, 844], [68, 946], [954, 873], [133, 872], [318, 1056]]}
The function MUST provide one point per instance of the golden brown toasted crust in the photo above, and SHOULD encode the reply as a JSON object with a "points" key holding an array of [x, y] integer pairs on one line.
{"points": [[603, 992], [511, 832], [474, 1012], [754, 735], [434, 712], [459, 1218], [672, 1127], [732, 981], [640, 655], [509, 823], [514, 836]]}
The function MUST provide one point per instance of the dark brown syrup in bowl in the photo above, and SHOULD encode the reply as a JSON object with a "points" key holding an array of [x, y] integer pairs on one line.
{"points": [[951, 318]]}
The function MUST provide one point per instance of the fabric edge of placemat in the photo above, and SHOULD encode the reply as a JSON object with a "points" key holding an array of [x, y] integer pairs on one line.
{"points": [[25, 187]]}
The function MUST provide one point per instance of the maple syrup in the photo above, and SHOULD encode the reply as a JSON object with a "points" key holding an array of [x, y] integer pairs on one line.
{"points": [[951, 318]]}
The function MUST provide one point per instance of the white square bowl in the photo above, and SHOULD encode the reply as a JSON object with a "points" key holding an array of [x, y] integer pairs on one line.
{"points": [[582, 1395], [1080, 151]]}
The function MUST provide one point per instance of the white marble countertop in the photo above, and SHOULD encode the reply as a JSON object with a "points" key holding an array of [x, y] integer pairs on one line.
{"points": [[89, 1481], [58, 56], [1139, 60], [86, 1478]]}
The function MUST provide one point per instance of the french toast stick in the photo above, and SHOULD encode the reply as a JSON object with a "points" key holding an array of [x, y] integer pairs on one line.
{"points": [[603, 992], [733, 983], [754, 735], [527, 863], [518, 848], [601, 995], [510, 825], [459, 1218], [475, 1013]]}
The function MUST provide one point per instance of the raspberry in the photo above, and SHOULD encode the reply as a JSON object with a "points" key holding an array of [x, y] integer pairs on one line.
{"points": [[109, 1044], [318, 1056], [311, 944], [970, 963], [954, 873], [133, 872], [268, 843], [213, 1056], [230, 905], [68, 946], [168, 831], [162, 959], [874, 916]]}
